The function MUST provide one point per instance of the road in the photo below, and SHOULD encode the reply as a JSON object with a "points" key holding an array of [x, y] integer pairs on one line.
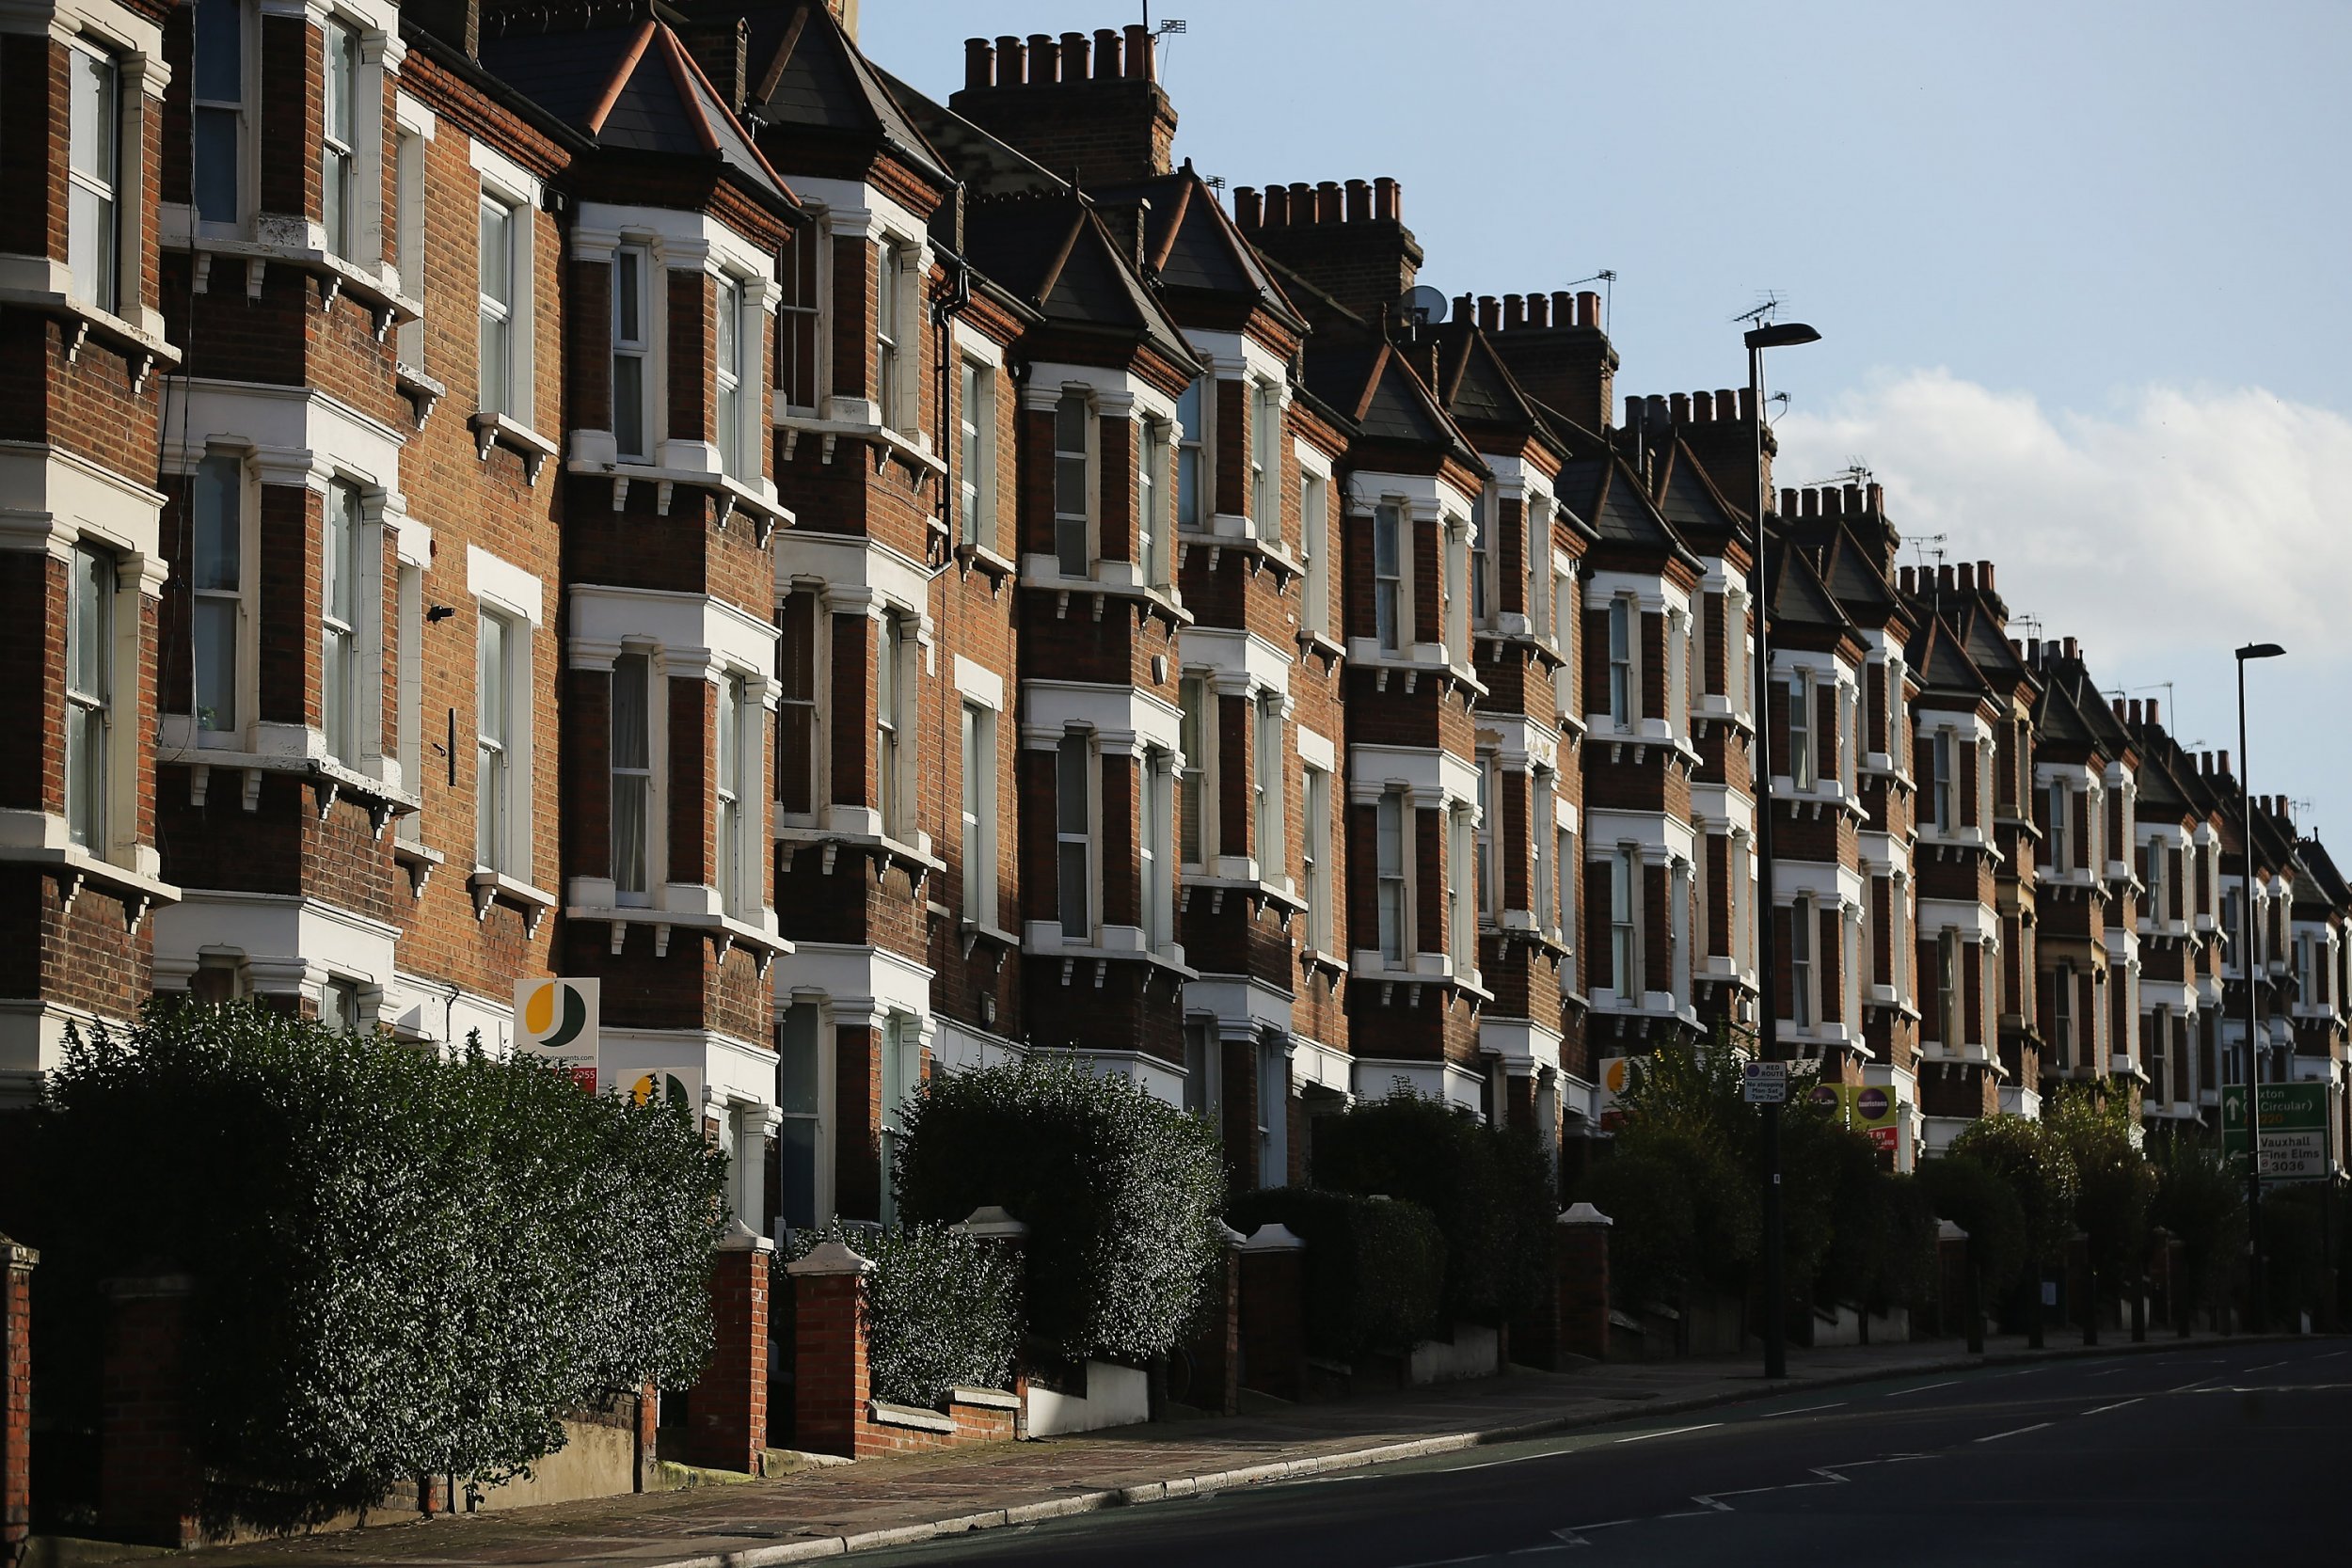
{"points": [[2218, 1454]]}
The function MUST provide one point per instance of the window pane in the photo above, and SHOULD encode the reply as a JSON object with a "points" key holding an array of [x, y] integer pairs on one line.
{"points": [[497, 266], [1071, 786], [215, 175], [92, 129], [218, 489], [628, 309], [219, 69], [492, 696], [628, 406], [216, 664], [493, 363], [1072, 893]]}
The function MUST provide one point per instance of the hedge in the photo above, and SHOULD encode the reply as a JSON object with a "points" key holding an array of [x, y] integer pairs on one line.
{"points": [[1489, 1191], [404, 1265], [1374, 1267], [1120, 1192], [942, 1309]]}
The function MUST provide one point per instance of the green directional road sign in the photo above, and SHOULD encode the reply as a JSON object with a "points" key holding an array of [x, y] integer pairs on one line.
{"points": [[2294, 1129]]}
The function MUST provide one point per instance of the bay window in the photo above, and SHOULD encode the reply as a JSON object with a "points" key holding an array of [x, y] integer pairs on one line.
{"points": [[1315, 502], [901, 1078], [1156, 874], [1150, 491], [1943, 800], [632, 351], [1797, 693], [1074, 483], [980, 814], [801, 1157], [1802, 934], [733, 339], [734, 879], [893, 727], [1948, 993], [1073, 835], [89, 637], [338, 195], [1541, 801], [975, 491], [216, 587], [1314, 800], [797, 621], [1621, 663], [1270, 830], [216, 91], [1388, 576], [1389, 869], [889, 332], [1265, 460], [800, 319], [1188, 475], [632, 778], [95, 175], [1193, 735], [340, 618], [1487, 877], [1625, 871]]}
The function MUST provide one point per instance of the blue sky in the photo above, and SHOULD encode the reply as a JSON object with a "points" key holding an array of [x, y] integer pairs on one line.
{"points": [[2079, 267]]}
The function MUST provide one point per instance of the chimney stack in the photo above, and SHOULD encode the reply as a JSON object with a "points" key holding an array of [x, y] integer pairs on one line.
{"points": [[2154, 722], [1086, 103], [1968, 575]]}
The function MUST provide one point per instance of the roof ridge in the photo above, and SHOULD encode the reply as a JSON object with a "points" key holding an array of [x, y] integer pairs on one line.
{"points": [[620, 74]]}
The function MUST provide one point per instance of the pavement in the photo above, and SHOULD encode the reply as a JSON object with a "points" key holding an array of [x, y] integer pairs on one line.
{"points": [[1021, 1489]]}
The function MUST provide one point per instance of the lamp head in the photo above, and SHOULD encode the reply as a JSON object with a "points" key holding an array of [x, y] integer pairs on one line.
{"points": [[1781, 334], [2260, 650]]}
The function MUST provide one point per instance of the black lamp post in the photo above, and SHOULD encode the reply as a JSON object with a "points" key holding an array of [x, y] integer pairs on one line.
{"points": [[2254, 1312], [1775, 335]]}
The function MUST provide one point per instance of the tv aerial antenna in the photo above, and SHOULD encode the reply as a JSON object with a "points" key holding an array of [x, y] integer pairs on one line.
{"points": [[1607, 278], [1764, 310]]}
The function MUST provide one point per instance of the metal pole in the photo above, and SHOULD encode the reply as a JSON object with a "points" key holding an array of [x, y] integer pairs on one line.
{"points": [[2254, 1312], [1768, 1006]]}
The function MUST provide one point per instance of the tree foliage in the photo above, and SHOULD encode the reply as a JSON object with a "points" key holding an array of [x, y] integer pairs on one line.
{"points": [[1980, 1202], [1374, 1267], [403, 1264], [1120, 1191], [2200, 1199], [2039, 1169], [2116, 1185]]}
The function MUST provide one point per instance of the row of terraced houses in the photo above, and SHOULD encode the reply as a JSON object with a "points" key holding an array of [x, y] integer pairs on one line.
{"points": [[633, 490]]}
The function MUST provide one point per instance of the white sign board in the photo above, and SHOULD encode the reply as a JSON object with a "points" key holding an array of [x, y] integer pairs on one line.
{"points": [[561, 1020], [1764, 1082]]}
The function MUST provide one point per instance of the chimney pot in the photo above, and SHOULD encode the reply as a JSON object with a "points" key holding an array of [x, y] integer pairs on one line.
{"points": [[1045, 60], [1563, 308], [1788, 501], [1012, 61], [2117, 703], [1140, 62], [1490, 312], [1654, 410], [1539, 309], [1588, 308], [1514, 312], [1943, 578], [1854, 500], [1247, 213], [2070, 651], [2033, 651], [1984, 568], [2016, 647], [1302, 203], [2221, 763], [1967, 571], [1902, 581], [1388, 199], [1726, 405], [1106, 66], [1075, 66], [1680, 404], [2135, 713], [979, 63], [1702, 409], [1747, 403], [1809, 503], [1359, 201], [2154, 721], [1832, 500], [1328, 201], [1877, 495], [1464, 309]]}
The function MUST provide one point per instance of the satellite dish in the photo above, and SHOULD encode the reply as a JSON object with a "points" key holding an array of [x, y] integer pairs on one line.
{"points": [[1421, 306]]}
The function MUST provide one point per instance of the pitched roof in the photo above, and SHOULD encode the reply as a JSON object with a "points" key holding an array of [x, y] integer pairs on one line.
{"points": [[806, 73], [1191, 246], [2065, 714], [1604, 492], [987, 164], [2330, 887], [1943, 664], [1051, 251], [634, 88], [1688, 499]]}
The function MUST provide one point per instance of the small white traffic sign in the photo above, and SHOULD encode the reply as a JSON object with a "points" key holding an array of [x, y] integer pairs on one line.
{"points": [[1764, 1082]]}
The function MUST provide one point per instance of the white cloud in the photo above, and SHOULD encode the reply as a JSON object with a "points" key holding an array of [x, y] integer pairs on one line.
{"points": [[2162, 533], [2186, 518]]}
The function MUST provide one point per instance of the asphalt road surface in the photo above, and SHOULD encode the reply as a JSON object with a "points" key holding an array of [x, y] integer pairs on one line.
{"points": [[2215, 1455]]}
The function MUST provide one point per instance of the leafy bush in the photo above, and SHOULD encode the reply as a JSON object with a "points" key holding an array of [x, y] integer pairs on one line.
{"points": [[2200, 1198], [942, 1309], [2039, 1169], [1120, 1192], [2116, 1185], [1976, 1198], [1654, 1226], [2296, 1249], [1859, 1260], [402, 1265], [1375, 1268], [1493, 1203]]}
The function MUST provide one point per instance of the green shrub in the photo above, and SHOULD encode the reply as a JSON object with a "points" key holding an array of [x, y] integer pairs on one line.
{"points": [[2116, 1186], [2200, 1198], [1493, 1205], [942, 1309], [1976, 1198], [1375, 1268], [2295, 1250], [2039, 1169], [1857, 1257], [404, 1265], [1119, 1190], [1653, 1225]]}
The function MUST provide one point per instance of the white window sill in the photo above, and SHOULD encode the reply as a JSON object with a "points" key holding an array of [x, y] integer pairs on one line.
{"points": [[1041, 942], [330, 779], [491, 429], [421, 391], [1242, 541], [419, 858], [1256, 891], [142, 342], [756, 497], [996, 568], [376, 287], [1425, 969], [1111, 579], [75, 868], [913, 449], [916, 858], [488, 887], [726, 930]]}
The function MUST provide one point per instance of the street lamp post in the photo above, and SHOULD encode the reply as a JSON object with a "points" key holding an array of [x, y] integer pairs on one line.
{"points": [[1777, 335], [2254, 1312]]}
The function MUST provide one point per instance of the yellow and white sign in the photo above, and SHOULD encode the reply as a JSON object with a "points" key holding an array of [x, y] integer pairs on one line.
{"points": [[679, 1087], [560, 1020]]}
